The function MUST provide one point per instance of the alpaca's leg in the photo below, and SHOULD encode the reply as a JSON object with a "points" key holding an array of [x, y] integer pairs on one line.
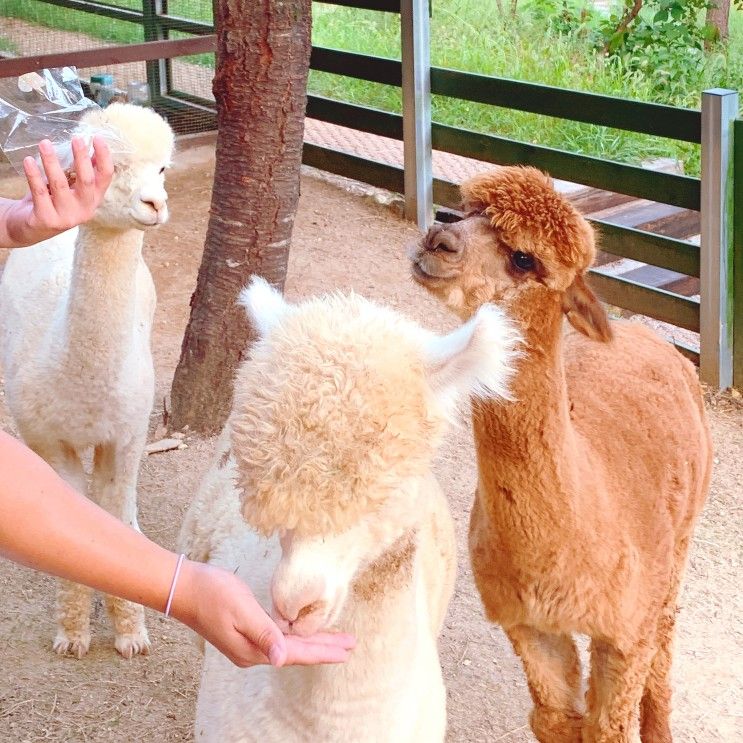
{"points": [[614, 692], [73, 600], [114, 487], [553, 673], [655, 707]]}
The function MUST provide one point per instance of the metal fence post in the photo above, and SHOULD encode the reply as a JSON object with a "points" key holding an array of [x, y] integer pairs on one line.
{"points": [[738, 255], [157, 70], [416, 110], [719, 109]]}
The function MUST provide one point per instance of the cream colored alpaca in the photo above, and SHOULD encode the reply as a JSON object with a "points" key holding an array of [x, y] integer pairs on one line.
{"points": [[337, 416], [75, 319], [590, 483]]}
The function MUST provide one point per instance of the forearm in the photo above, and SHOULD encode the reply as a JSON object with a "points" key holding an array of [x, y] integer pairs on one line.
{"points": [[46, 525]]}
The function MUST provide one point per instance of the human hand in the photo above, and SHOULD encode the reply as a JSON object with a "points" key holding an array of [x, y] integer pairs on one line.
{"points": [[222, 609], [46, 211]]}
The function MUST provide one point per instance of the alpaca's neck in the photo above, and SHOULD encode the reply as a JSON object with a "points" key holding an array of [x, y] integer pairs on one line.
{"points": [[527, 446], [100, 315]]}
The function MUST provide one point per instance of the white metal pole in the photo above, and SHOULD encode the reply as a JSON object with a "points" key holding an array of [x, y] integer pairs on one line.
{"points": [[719, 110], [416, 111]]}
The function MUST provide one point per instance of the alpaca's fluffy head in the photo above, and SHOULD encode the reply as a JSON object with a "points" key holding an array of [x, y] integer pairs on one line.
{"points": [[337, 414], [521, 244], [141, 144]]}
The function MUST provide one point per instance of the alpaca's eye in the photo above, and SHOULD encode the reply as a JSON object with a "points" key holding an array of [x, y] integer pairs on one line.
{"points": [[522, 261], [162, 170]]}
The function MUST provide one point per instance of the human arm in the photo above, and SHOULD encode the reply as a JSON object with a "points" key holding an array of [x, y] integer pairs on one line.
{"points": [[44, 212], [46, 525]]}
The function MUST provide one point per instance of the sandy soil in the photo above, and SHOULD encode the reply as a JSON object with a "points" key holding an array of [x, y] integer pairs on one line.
{"points": [[341, 240]]}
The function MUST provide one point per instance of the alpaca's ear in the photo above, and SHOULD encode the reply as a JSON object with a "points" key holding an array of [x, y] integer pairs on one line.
{"points": [[584, 311], [475, 359], [264, 304]]}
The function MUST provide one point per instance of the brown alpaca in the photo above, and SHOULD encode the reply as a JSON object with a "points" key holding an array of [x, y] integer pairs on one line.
{"points": [[590, 483]]}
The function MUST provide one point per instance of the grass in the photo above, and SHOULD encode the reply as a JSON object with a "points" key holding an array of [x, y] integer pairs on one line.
{"points": [[526, 48], [531, 46], [64, 19]]}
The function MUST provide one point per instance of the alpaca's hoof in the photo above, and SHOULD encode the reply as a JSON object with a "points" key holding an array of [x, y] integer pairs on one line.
{"points": [[131, 644], [75, 644]]}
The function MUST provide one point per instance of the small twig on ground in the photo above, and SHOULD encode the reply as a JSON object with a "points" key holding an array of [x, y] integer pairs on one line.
{"points": [[7, 712], [510, 732]]}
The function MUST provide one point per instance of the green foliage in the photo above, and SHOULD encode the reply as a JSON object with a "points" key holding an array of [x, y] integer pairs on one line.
{"points": [[665, 43], [553, 42]]}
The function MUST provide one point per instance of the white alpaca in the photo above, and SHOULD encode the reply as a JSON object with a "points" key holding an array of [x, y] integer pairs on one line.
{"points": [[75, 319], [337, 416]]}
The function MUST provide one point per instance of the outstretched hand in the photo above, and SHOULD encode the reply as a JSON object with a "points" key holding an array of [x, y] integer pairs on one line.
{"points": [[57, 205], [222, 609]]}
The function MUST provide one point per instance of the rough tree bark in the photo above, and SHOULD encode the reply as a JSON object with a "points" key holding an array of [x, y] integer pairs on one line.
{"points": [[718, 15], [263, 51]]}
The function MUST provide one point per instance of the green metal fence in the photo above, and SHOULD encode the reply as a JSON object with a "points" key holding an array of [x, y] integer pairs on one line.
{"points": [[651, 119]]}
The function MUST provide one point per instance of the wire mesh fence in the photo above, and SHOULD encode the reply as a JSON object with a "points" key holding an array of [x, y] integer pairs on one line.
{"points": [[179, 86]]}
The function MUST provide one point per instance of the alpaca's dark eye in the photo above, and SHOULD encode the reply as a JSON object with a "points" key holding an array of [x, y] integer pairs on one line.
{"points": [[162, 170], [522, 261]]}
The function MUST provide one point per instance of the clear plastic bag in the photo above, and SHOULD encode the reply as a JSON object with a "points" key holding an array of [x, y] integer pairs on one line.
{"points": [[44, 105]]}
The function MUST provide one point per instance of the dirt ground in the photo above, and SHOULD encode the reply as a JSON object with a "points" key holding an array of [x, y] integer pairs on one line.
{"points": [[342, 239]]}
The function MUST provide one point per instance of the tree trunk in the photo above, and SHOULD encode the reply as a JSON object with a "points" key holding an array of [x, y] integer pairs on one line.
{"points": [[718, 15], [263, 52]]}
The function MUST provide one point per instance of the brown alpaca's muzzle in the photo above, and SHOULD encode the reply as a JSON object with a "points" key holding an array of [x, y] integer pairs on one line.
{"points": [[438, 256]]}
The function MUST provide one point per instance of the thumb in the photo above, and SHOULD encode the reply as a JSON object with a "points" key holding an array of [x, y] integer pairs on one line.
{"points": [[261, 631]]}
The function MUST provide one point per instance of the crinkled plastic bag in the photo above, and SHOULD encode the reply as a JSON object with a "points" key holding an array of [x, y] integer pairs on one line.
{"points": [[45, 105]]}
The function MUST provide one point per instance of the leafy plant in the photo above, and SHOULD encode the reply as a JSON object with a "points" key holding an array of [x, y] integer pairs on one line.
{"points": [[663, 40]]}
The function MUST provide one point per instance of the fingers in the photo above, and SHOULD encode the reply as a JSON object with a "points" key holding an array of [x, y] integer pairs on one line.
{"points": [[104, 164], [43, 207], [260, 630], [340, 639], [304, 652], [55, 176], [85, 181]]}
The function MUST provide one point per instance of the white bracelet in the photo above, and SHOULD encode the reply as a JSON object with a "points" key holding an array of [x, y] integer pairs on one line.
{"points": [[172, 585]]}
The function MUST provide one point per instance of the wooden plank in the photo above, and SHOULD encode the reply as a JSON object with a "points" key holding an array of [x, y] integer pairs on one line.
{"points": [[683, 224], [656, 303], [625, 242], [591, 200], [351, 166], [666, 252], [108, 55], [359, 66], [637, 212], [662, 219], [667, 188], [637, 116], [361, 118]]}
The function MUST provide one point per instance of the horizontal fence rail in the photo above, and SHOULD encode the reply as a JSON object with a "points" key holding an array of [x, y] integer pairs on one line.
{"points": [[108, 55], [589, 108], [646, 118]]}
